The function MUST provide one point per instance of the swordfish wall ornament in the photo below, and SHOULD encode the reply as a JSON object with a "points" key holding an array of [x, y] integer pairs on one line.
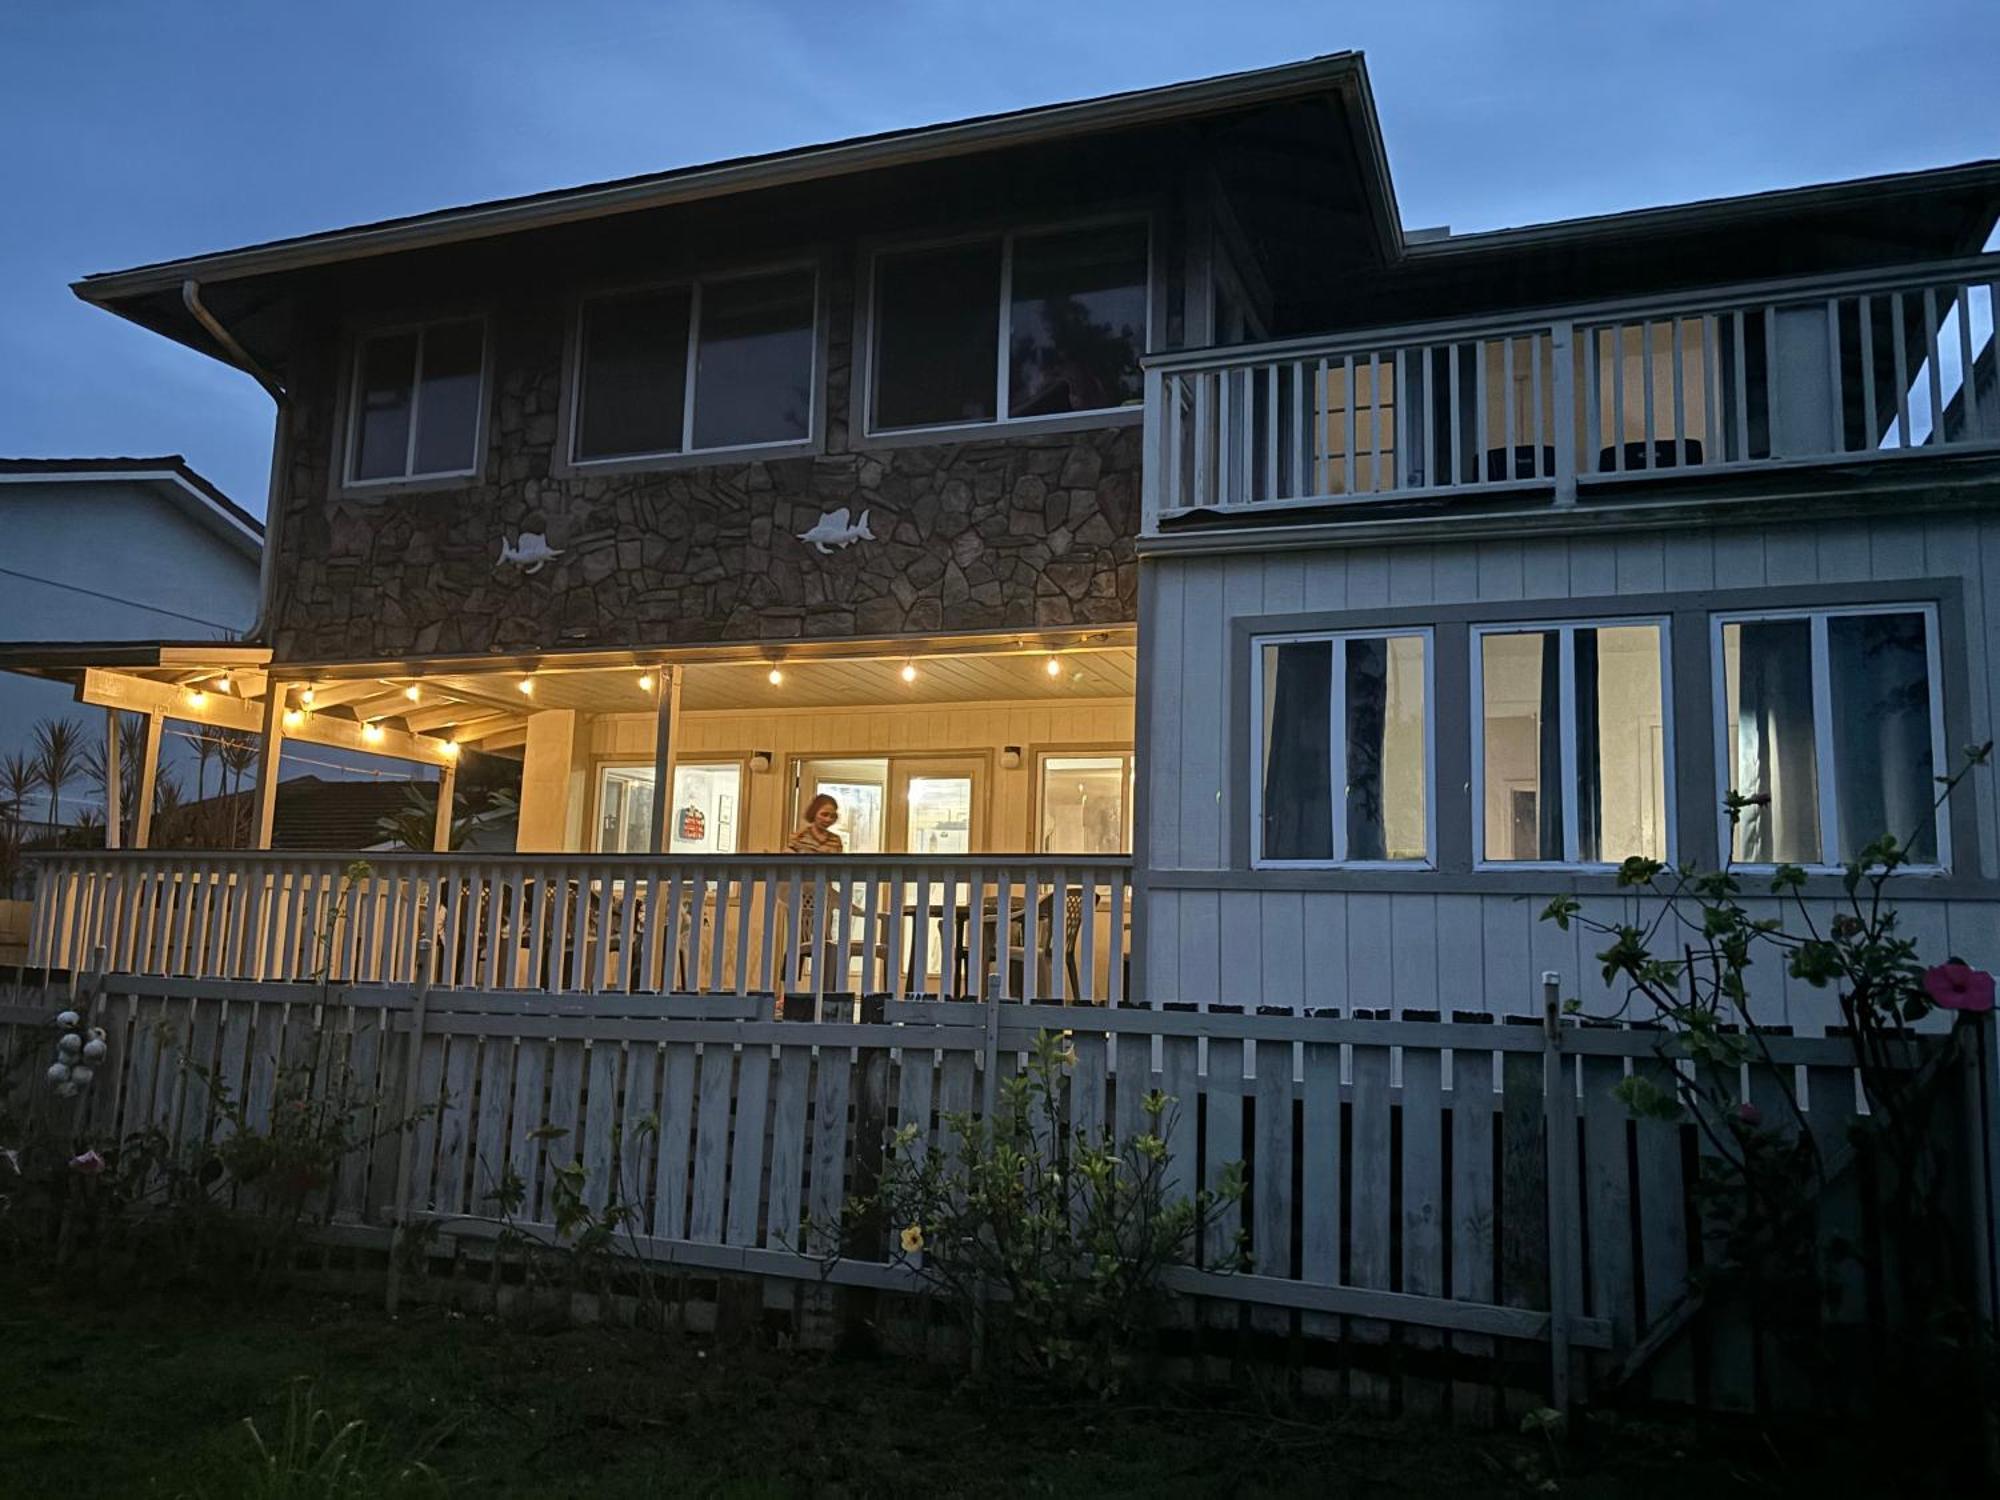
{"points": [[831, 530], [530, 554]]}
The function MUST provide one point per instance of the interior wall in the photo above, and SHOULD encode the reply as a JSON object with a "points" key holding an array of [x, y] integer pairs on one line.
{"points": [[785, 734]]}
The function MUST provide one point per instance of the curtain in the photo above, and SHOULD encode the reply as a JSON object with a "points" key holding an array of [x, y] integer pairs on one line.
{"points": [[1775, 756], [1589, 751], [1548, 753], [1298, 745], [1878, 665], [1367, 720]]}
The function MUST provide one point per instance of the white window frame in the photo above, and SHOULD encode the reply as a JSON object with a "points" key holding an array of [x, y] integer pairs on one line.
{"points": [[1828, 769], [686, 453], [1046, 753], [1337, 748], [1003, 373], [701, 762], [1566, 672], [351, 445]]}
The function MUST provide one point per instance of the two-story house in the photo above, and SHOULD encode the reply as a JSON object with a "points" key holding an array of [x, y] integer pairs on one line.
{"points": [[1177, 572]]}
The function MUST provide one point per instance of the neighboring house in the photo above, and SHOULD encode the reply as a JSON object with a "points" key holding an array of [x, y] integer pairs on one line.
{"points": [[110, 549], [1123, 471]]}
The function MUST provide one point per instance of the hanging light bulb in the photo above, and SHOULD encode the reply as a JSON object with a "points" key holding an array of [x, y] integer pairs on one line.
{"points": [[294, 718], [776, 676], [371, 732], [413, 693], [222, 683], [645, 682], [1052, 666], [449, 749], [306, 697], [527, 686], [197, 698], [909, 671]]}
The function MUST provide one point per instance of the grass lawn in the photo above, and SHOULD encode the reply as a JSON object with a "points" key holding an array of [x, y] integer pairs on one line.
{"points": [[148, 1397]]}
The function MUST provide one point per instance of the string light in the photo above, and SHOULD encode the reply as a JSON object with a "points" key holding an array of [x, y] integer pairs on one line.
{"points": [[527, 686], [645, 682], [306, 697], [909, 671], [222, 683], [1053, 667], [294, 718], [371, 732], [449, 749], [413, 693], [197, 698], [776, 676]]}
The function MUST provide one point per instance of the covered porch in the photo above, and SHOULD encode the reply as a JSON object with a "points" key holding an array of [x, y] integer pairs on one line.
{"points": [[984, 784]]}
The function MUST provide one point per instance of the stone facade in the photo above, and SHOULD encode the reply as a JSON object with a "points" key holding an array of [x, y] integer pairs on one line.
{"points": [[1016, 532]]}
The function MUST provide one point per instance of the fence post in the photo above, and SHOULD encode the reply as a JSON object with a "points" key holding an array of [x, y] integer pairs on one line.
{"points": [[406, 1156], [1560, 1105]]}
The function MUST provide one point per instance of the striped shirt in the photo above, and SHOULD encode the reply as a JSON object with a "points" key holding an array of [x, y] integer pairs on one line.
{"points": [[812, 839]]}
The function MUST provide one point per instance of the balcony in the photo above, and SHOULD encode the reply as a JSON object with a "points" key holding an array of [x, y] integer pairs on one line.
{"points": [[1577, 404]]}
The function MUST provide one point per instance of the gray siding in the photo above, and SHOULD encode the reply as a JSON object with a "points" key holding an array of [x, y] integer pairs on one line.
{"points": [[1457, 939]]}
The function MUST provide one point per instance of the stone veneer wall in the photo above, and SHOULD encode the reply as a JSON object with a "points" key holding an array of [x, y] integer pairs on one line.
{"points": [[1004, 533]]}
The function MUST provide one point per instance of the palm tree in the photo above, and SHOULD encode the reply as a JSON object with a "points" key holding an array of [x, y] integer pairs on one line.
{"points": [[59, 755], [19, 780]]}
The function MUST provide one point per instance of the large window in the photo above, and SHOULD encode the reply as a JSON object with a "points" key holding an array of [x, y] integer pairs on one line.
{"points": [[416, 402], [1019, 326], [703, 817], [1344, 767], [1573, 743], [712, 364], [1086, 803], [1830, 724]]}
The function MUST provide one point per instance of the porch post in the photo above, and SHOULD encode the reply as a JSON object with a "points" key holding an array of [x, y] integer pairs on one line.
{"points": [[663, 750], [447, 787], [267, 762], [149, 776], [114, 806]]}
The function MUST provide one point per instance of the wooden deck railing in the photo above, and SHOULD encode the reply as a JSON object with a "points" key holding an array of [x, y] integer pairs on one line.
{"points": [[1574, 401], [1053, 929]]}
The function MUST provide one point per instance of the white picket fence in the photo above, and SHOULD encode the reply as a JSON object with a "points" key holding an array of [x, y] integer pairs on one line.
{"points": [[1055, 929], [1421, 1195]]}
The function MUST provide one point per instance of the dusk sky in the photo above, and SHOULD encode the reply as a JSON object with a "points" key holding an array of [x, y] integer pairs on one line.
{"points": [[145, 129]]}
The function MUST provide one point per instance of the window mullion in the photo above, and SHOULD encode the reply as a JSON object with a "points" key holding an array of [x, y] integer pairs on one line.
{"points": [[416, 393], [1566, 701], [1003, 373], [694, 344], [1829, 792], [1336, 752], [1941, 765]]}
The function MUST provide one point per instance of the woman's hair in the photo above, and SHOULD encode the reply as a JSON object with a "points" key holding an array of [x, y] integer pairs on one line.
{"points": [[813, 807]]}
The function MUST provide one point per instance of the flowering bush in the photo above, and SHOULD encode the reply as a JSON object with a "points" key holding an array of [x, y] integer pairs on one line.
{"points": [[1048, 1240]]}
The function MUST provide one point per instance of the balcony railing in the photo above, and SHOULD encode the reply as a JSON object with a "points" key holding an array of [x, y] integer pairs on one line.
{"points": [[1053, 929], [1584, 399]]}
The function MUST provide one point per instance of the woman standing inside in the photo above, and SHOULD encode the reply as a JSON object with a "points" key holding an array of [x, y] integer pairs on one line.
{"points": [[816, 835]]}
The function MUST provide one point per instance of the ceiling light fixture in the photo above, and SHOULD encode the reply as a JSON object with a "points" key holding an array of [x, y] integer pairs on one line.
{"points": [[1053, 666], [413, 693], [222, 683], [527, 686], [371, 732], [294, 718], [645, 682], [449, 749], [909, 671], [197, 698], [776, 676], [306, 697]]}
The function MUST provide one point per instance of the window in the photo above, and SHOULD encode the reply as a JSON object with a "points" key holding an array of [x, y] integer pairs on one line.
{"points": [[702, 818], [1086, 804], [1005, 329], [1573, 743], [1343, 773], [1831, 722], [417, 402], [714, 364]]}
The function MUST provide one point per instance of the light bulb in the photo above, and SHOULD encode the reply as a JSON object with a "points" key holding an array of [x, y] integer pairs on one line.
{"points": [[222, 683], [776, 676], [527, 686], [197, 699], [293, 718], [645, 682], [450, 749], [413, 692], [371, 732], [909, 671], [1053, 667], [306, 697]]}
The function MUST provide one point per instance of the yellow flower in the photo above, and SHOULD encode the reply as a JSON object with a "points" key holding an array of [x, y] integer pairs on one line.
{"points": [[913, 1239]]}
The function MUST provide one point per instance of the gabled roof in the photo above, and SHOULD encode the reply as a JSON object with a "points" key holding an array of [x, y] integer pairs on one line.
{"points": [[170, 474]]}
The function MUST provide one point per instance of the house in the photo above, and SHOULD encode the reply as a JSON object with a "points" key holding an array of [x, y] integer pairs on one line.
{"points": [[108, 549], [1137, 531]]}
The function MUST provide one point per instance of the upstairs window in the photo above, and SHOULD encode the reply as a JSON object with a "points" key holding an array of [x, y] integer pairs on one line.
{"points": [[1831, 722], [417, 402], [1573, 743], [711, 365], [1010, 328], [1343, 773]]}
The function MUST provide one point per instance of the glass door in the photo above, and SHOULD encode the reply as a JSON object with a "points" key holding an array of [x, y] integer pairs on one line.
{"points": [[937, 807], [861, 786]]}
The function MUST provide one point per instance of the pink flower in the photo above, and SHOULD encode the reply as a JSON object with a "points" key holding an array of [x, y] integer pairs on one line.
{"points": [[1750, 1114], [90, 1164], [1955, 985]]}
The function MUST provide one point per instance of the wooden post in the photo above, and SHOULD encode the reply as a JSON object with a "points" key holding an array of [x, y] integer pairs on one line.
{"points": [[1564, 1281], [406, 1158], [149, 776], [267, 762], [668, 710], [114, 808], [447, 789], [1562, 421]]}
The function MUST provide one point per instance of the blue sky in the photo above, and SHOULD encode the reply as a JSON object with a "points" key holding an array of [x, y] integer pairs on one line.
{"points": [[143, 129]]}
